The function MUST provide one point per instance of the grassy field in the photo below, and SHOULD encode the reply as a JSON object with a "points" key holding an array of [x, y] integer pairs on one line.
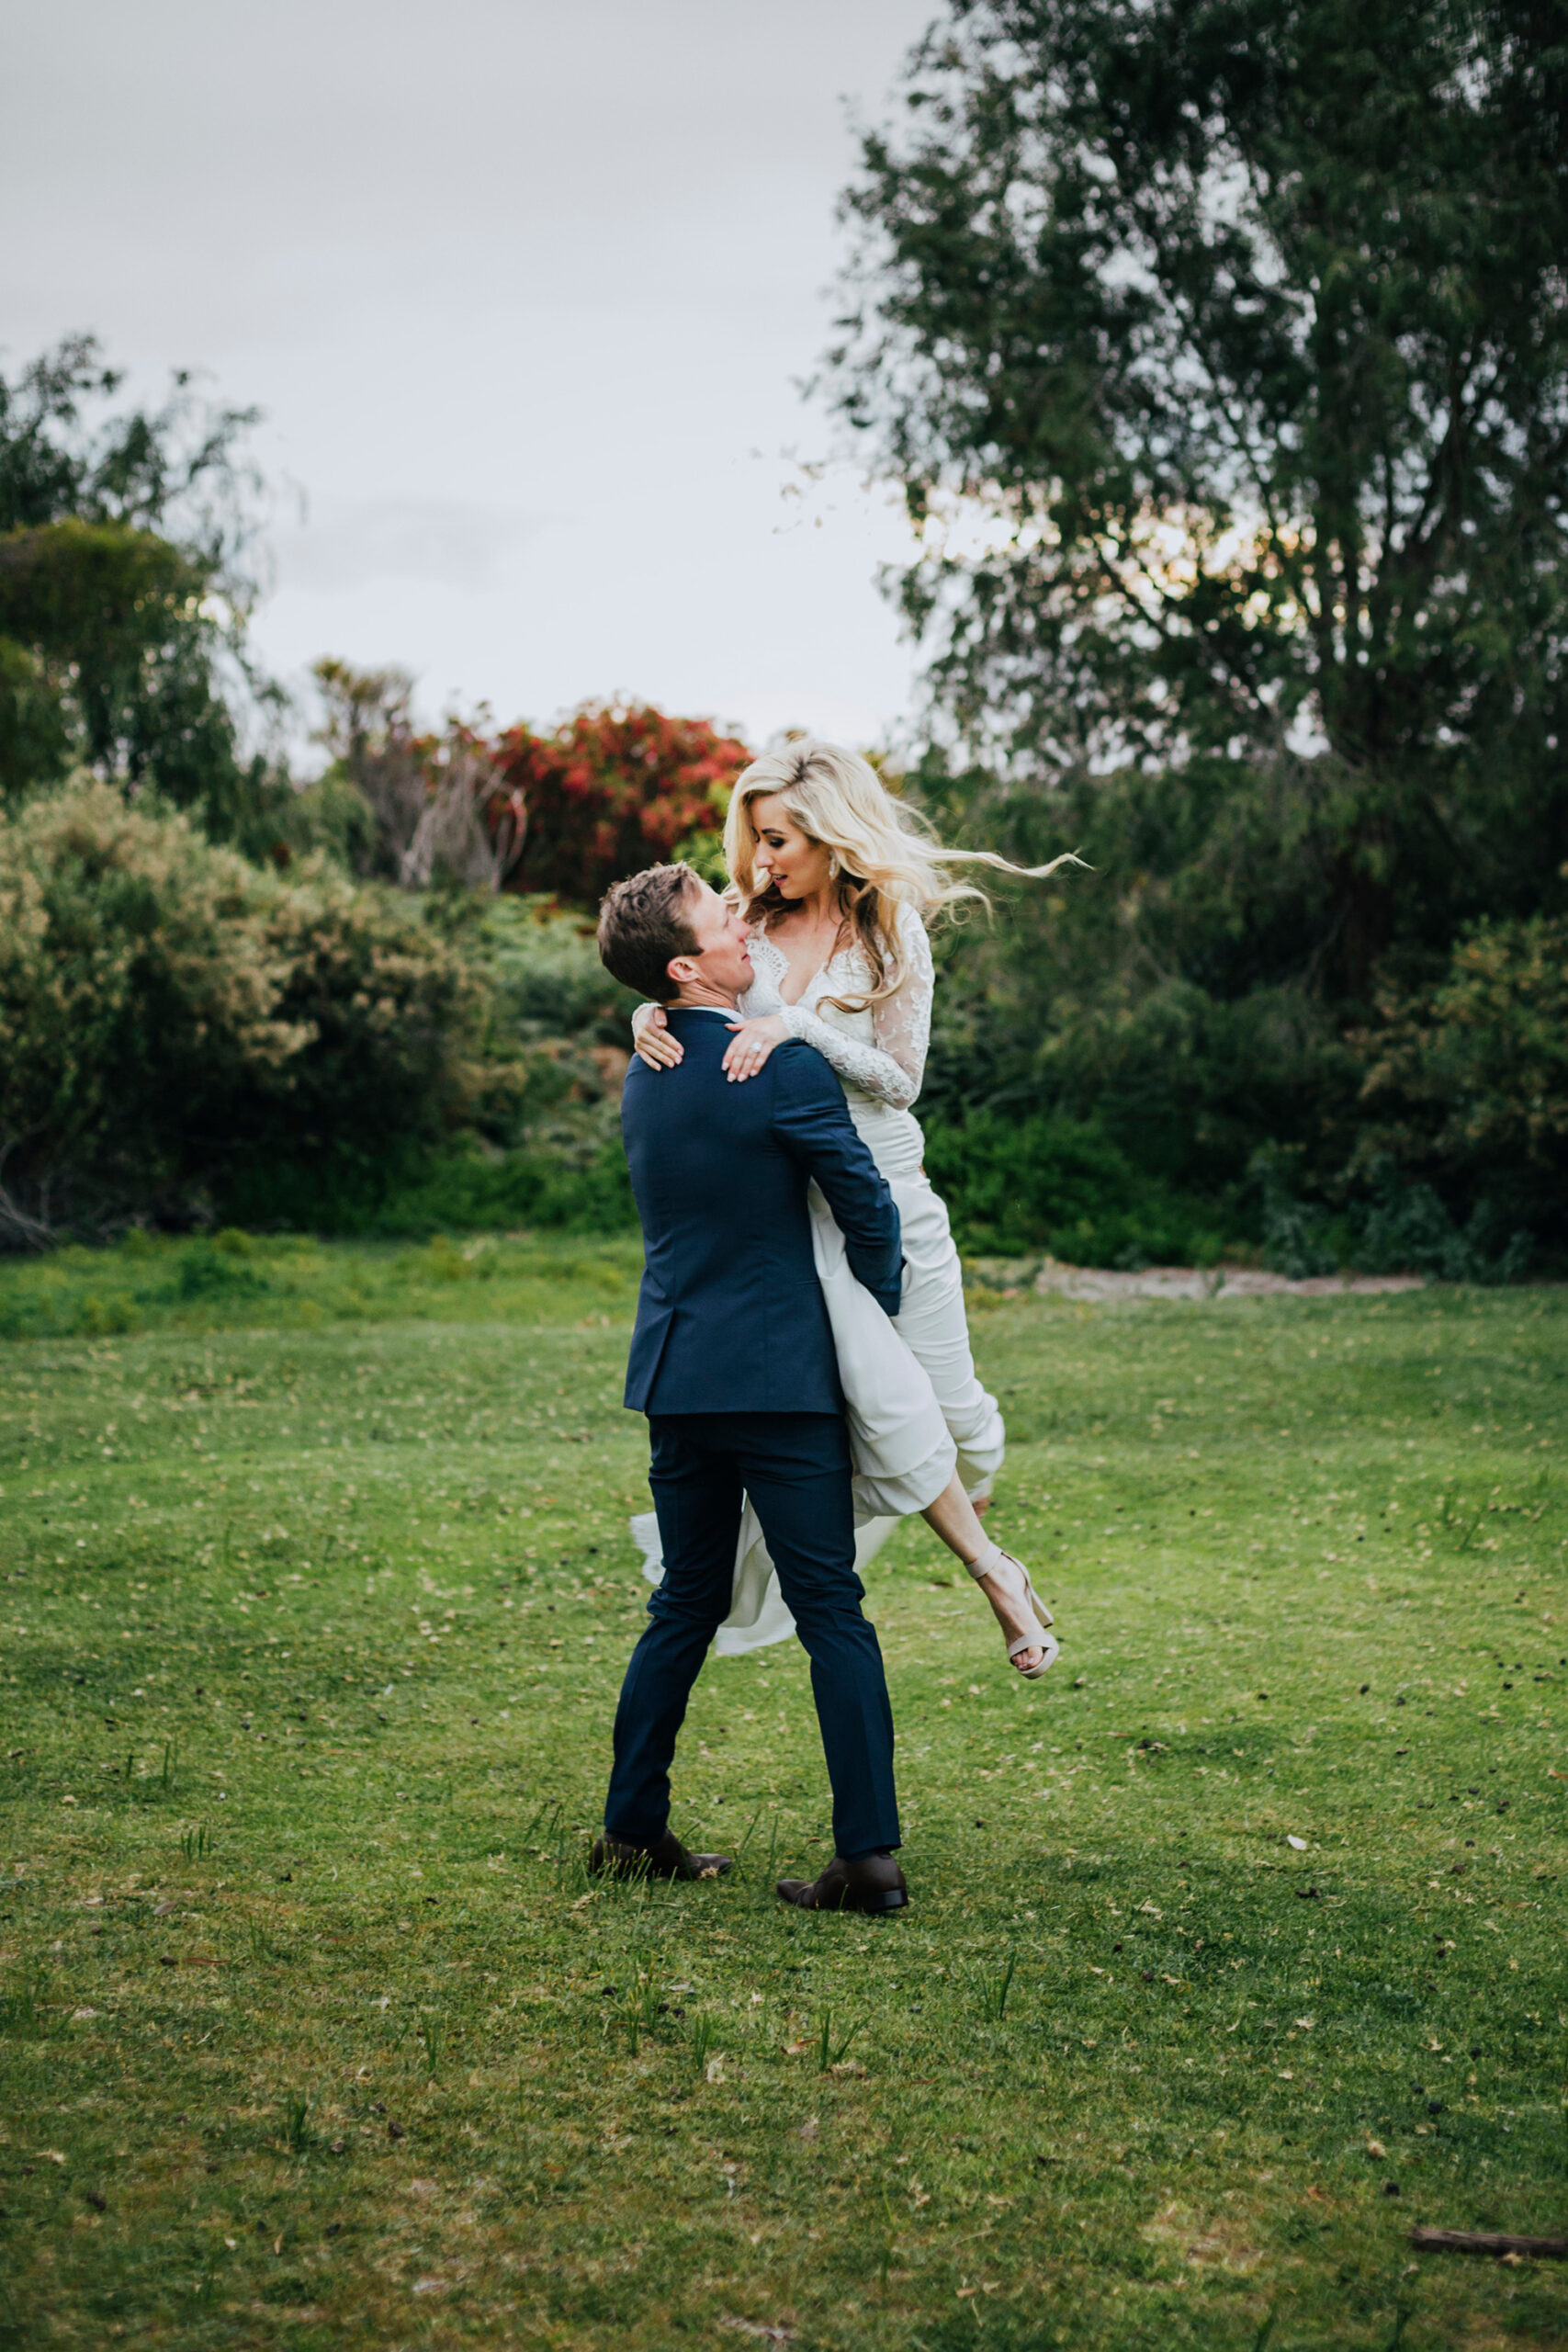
{"points": [[1236, 1947]]}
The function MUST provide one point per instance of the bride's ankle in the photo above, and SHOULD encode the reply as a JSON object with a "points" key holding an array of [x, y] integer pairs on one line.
{"points": [[988, 1557]]}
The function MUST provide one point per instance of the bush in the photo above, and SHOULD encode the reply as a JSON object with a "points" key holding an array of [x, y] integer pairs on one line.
{"points": [[1063, 1185], [585, 1193], [1175, 999], [460, 1188], [1467, 1080], [1395, 1228], [209, 1269], [543, 967], [539, 1142], [613, 790], [392, 1016], [174, 1021], [1409, 1230], [139, 997], [1169, 997]]}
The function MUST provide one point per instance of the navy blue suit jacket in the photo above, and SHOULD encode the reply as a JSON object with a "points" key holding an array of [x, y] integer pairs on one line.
{"points": [[732, 1317]]}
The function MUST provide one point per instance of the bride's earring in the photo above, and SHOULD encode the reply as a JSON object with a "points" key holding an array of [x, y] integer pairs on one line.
{"points": [[834, 868]]}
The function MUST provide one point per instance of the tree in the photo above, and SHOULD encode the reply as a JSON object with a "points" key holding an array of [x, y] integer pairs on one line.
{"points": [[1467, 1080], [1222, 347], [371, 797], [561, 813], [126, 583], [615, 789], [406, 806]]}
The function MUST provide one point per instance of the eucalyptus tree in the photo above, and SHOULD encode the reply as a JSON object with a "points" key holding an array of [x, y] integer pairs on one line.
{"points": [[127, 578], [1222, 349]]}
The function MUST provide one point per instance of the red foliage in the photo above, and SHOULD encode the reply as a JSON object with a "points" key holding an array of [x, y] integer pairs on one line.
{"points": [[610, 792]]}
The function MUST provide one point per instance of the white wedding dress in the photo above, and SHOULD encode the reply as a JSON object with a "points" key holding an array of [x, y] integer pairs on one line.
{"points": [[915, 1406]]}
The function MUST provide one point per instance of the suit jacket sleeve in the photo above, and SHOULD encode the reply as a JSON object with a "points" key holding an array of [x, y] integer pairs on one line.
{"points": [[813, 1123]]}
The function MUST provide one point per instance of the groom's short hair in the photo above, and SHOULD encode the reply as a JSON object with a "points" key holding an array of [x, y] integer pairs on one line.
{"points": [[643, 922]]}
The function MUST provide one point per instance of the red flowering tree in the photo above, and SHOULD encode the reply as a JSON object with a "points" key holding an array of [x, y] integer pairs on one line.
{"points": [[615, 789]]}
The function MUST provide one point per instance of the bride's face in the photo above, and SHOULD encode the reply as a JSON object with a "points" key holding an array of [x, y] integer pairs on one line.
{"points": [[786, 856]]}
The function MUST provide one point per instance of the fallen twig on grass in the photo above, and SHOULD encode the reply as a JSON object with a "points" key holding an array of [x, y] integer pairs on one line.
{"points": [[1492, 2242]]}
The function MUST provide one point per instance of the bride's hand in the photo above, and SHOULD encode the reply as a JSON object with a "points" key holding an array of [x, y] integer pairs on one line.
{"points": [[652, 1038], [752, 1042]]}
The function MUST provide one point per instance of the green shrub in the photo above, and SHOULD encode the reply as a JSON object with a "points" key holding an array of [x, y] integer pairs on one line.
{"points": [[538, 1143], [462, 1188], [1408, 1229], [1171, 996], [1399, 1227], [209, 1271], [520, 1188], [139, 998], [174, 1021], [1063, 1185], [1466, 1085], [543, 965], [393, 1015]]}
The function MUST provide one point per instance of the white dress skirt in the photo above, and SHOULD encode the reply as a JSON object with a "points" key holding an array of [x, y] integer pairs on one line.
{"points": [[916, 1409]]}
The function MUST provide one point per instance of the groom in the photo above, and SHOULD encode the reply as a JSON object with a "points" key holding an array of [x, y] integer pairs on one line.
{"points": [[732, 1360]]}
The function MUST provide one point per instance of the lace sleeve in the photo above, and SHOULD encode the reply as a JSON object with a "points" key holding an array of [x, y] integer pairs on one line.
{"points": [[892, 1067]]}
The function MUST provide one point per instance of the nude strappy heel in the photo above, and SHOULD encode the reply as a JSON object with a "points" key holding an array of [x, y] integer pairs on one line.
{"points": [[994, 1562]]}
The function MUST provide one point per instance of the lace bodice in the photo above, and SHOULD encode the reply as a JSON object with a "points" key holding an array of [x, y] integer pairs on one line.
{"points": [[879, 1054]]}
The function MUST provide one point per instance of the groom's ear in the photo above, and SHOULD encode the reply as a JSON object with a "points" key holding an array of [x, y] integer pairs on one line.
{"points": [[679, 970]]}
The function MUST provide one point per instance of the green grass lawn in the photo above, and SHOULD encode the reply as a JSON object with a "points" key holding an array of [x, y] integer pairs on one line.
{"points": [[1236, 1946]]}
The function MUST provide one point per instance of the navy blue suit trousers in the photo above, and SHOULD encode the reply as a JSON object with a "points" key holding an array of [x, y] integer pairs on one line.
{"points": [[795, 1468]]}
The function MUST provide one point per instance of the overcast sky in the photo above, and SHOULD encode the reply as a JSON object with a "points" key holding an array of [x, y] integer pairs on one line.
{"points": [[524, 286]]}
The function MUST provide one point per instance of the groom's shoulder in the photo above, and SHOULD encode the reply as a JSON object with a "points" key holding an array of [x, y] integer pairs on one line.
{"points": [[801, 1076], [702, 1039], [667, 1095]]}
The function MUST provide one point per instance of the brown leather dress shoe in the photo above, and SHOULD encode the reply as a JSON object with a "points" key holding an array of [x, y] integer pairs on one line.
{"points": [[669, 1858], [874, 1884]]}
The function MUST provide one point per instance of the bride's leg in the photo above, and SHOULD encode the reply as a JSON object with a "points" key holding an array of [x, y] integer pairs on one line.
{"points": [[934, 1326], [952, 1517]]}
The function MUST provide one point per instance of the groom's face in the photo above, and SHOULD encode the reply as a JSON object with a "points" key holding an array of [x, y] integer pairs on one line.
{"points": [[723, 959]]}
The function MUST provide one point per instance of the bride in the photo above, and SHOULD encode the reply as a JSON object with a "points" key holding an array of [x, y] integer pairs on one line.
{"points": [[837, 886]]}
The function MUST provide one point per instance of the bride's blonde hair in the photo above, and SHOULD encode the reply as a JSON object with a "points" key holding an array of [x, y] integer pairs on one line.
{"points": [[882, 855]]}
